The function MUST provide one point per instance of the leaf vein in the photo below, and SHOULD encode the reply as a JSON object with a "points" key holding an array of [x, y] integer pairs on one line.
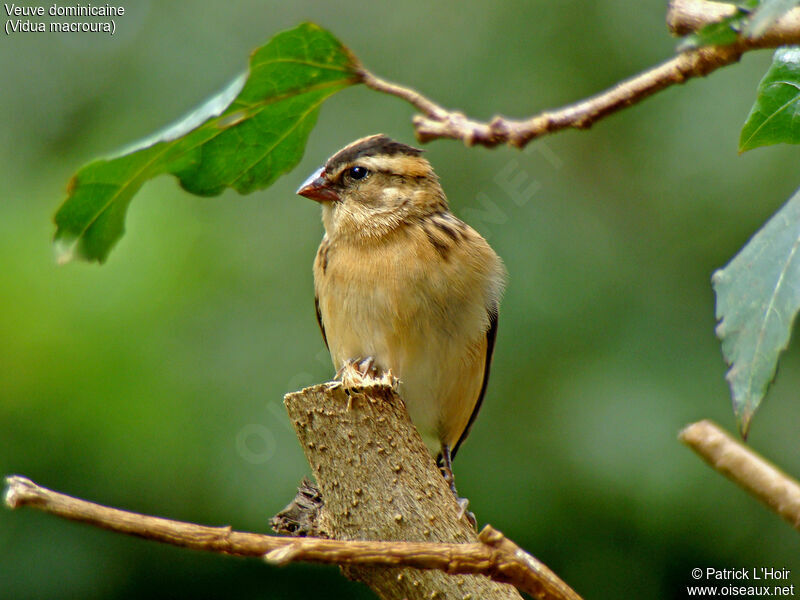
{"points": [[116, 196], [774, 114], [771, 309]]}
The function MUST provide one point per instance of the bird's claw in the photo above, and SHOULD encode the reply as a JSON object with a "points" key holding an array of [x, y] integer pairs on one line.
{"points": [[357, 375], [340, 372], [354, 372], [367, 367], [463, 503]]}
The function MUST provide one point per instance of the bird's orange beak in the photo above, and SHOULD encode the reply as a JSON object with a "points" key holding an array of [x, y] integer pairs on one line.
{"points": [[317, 188]]}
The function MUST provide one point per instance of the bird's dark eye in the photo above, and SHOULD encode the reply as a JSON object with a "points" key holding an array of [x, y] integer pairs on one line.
{"points": [[357, 172]]}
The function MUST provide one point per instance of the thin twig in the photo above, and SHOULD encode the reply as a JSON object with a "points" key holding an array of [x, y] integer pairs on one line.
{"points": [[746, 468], [684, 16], [420, 102], [494, 556]]}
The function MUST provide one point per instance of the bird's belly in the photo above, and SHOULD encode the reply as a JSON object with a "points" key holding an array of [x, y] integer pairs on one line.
{"points": [[440, 374], [417, 364], [360, 325]]}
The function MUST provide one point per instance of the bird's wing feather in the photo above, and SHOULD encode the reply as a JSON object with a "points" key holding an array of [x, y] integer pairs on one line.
{"points": [[491, 335], [319, 320]]}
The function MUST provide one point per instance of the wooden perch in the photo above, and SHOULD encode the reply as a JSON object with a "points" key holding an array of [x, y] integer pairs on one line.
{"points": [[378, 482]]}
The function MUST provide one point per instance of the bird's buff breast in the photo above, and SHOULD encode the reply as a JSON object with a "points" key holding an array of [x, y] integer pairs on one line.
{"points": [[374, 316], [398, 316]]}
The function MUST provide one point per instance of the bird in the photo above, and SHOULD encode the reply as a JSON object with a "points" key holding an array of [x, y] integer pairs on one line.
{"points": [[403, 285]]}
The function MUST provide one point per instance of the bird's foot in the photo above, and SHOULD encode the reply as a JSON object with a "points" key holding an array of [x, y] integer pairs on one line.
{"points": [[358, 372], [446, 467], [367, 367], [463, 503]]}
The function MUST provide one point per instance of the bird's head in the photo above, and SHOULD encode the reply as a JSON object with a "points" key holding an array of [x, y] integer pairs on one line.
{"points": [[372, 186]]}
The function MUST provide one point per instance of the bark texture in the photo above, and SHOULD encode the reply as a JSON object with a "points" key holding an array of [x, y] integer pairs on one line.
{"points": [[379, 482]]}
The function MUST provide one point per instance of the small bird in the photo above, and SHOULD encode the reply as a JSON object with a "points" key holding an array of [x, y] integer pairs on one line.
{"points": [[403, 285]]}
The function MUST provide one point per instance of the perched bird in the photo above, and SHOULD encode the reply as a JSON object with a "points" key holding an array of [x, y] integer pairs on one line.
{"points": [[403, 284]]}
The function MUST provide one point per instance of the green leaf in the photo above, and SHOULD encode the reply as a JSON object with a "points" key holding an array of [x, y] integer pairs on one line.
{"points": [[723, 32], [758, 297], [766, 14], [244, 138], [774, 117]]}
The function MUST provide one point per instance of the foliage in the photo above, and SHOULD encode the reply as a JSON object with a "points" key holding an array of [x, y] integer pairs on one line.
{"points": [[244, 144], [757, 293], [774, 116], [758, 297]]}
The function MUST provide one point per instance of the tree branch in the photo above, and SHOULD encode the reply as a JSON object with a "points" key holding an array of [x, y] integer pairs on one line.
{"points": [[494, 555], [687, 16], [366, 456], [683, 17], [746, 468]]}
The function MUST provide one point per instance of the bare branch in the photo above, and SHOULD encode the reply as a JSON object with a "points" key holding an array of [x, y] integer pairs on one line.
{"points": [[420, 102], [746, 468], [494, 555], [684, 16]]}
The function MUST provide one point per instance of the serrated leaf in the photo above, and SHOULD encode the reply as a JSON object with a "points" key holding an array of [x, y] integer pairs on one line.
{"points": [[758, 297], [766, 14], [244, 138], [774, 117]]}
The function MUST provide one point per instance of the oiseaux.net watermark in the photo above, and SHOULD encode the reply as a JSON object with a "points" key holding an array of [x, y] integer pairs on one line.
{"points": [[754, 582]]}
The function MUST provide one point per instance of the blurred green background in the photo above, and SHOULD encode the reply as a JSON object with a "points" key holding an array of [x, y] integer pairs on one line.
{"points": [[154, 383]]}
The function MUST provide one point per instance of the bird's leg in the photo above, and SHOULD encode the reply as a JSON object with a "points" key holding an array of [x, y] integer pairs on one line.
{"points": [[446, 467]]}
